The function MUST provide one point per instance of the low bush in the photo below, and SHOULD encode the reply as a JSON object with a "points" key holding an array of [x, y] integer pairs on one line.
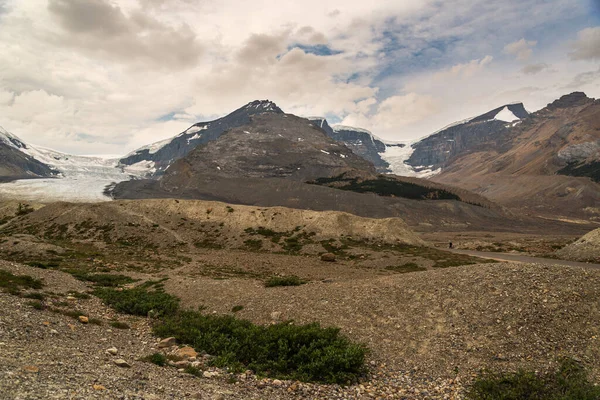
{"points": [[14, 283], [287, 351], [284, 281], [568, 382], [156, 358], [119, 325], [139, 301]]}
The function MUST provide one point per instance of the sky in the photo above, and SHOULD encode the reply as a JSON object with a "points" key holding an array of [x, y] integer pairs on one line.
{"points": [[109, 76]]}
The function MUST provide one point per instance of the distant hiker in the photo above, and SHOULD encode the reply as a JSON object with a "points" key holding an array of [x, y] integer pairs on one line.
{"points": [[450, 245]]}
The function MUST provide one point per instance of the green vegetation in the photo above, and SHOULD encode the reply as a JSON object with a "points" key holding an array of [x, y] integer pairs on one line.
{"points": [[95, 321], [237, 308], [119, 325], [79, 295], [156, 358], [568, 382], [306, 352], [291, 280], [44, 264], [139, 301], [14, 283], [23, 209], [35, 296], [386, 186], [404, 268], [253, 244], [38, 305]]}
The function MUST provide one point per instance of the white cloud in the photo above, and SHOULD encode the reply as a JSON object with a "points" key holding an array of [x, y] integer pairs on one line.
{"points": [[99, 75], [587, 46], [521, 49]]}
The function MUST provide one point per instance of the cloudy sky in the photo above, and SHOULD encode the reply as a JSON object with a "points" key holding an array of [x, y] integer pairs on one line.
{"points": [[107, 76]]}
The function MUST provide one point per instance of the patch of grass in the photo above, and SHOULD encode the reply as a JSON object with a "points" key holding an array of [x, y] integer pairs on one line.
{"points": [[306, 352], [139, 301], [119, 325], [14, 283], [79, 295], [44, 264], [35, 296], [237, 308], [568, 382], [229, 209], [157, 359], [95, 321], [23, 209], [38, 305], [193, 371], [253, 244], [291, 280], [405, 268]]}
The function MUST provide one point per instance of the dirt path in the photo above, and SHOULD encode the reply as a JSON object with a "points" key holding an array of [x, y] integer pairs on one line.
{"points": [[524, 259]]}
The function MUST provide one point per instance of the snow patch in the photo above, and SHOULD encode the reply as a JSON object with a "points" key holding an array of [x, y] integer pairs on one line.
{"points": [[396, 155], [506, 115]]}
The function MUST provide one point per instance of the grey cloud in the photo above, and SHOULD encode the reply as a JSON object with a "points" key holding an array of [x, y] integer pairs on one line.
{"points": [[98, 27], [533, 69], [3, 7], [583, 79], [262, 49], [587, 46]]}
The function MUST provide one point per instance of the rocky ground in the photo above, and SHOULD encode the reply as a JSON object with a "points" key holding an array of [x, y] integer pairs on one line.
{"points": [[428, 332], [587, 248]]}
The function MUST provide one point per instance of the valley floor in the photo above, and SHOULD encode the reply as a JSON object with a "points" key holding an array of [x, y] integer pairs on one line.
{"points": [[431, 319]]}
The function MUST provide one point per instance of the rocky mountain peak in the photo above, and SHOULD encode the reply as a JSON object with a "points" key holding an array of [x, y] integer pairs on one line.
{"points": [[258, 106], [570, 100]]}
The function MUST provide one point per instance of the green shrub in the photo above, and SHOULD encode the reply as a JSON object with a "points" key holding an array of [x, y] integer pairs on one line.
{"points": [[119, 325], [44, 264], [568, 382], [36, 304], [284, 281], [138, 301], [237, 308], [306, 352], [253, 244], [35, 296], [156, 358], [79, 295], [13, 283]]}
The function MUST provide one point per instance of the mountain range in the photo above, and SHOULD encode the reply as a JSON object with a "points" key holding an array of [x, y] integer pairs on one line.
{"points": [[545, 163]]}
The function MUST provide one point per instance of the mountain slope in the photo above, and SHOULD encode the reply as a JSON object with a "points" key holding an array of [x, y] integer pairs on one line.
{"points": [[528, 165], [436, 151], [15, 163], [158, 156]]}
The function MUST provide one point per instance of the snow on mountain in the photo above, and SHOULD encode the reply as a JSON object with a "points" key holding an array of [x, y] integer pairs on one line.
{"points": [[79, 178], [506, 115]]}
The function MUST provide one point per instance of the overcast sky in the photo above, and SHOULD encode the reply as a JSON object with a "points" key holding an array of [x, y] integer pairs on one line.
{"points": [[108, 76]]}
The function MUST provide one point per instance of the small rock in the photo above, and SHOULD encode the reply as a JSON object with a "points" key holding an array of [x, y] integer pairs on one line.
{"points": [[83, 319], [277, 382], [186, 352], [71, 298], [328, 257], [122, 363], [31, 369], [181, 364], [53, 332], [98, 387], [168, 342], [113, 351]]}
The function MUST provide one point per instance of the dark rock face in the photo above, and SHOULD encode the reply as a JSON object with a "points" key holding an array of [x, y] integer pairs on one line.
{"points": [[570, 100], [14, 164], [272, 145], [439, 149], [361, 142], [200, 133]]}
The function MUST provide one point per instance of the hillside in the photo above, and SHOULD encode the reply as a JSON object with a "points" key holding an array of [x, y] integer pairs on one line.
{"points": [[542, 166], [15, 164]]}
